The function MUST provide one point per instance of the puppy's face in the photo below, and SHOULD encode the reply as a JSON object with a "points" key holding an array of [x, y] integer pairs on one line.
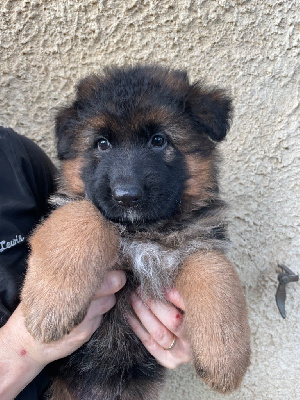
{"points": [[134, 174], [138, 141]]}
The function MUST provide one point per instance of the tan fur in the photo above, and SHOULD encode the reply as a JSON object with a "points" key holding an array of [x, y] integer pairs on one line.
{"points": [[201, 177], [96, 122], [74, 247], [71, 251], [155, 115], [71, 170], [215, 319]]}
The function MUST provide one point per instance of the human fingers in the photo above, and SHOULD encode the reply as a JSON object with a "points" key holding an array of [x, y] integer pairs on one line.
{"points": [[170, 316], [100, 306], [174, 297], [154, 332], [82, 332], [158, 331], [113, 282], [43, 353], [170, 357]]}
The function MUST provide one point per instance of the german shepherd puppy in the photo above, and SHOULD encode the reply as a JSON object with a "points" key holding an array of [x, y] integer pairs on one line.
{"points": [[139, 181]]}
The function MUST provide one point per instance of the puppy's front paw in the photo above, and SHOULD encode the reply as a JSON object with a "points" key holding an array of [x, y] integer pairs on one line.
{"points": [[222, 362], [71, 251], [215, 319], [51, 313]]}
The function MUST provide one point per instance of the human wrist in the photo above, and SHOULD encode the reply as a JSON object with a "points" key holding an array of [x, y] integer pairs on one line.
{"points": [[18, 342], [17, 366]]}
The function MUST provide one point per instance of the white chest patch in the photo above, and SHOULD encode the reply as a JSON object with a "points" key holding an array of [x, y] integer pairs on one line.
{"points": [[155, 266]]}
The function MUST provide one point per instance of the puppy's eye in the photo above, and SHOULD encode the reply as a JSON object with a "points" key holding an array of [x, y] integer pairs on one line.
{"points": [[103, 144], [158, 140]]}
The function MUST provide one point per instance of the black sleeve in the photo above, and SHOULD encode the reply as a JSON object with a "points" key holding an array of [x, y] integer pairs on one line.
{"points": [[27, 179]]}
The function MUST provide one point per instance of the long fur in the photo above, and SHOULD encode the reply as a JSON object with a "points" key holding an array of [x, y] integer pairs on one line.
{"points": [[149, 129]]}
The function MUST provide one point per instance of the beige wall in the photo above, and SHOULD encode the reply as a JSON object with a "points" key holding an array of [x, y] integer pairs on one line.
{"points": [[250, 47]]}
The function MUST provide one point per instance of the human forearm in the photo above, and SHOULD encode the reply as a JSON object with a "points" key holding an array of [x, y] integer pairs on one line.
{"points": [[17, 367]]}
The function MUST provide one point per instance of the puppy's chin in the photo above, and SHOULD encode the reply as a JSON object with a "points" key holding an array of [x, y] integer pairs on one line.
{"points": [[139, 217], [133, 218], [128, 217]]}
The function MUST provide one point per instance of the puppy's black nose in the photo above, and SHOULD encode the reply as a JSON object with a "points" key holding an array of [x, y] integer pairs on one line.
{"points": [[127, 196]]}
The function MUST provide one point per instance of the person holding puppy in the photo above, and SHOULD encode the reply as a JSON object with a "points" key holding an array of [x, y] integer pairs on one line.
{"points": [[27, 178]]}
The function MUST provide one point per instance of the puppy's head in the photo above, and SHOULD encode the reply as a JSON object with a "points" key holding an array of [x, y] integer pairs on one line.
{"points": [[139, 142]]}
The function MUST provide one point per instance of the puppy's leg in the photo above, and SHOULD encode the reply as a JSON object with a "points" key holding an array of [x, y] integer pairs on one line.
{"points": [[70, 252], [215, 319]]}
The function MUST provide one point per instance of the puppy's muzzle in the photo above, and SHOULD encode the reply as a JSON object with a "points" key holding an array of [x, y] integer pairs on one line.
{"points": [[126, 195]]}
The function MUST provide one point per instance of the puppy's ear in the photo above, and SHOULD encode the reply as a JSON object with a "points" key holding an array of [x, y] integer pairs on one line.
{"points": [[64, 130], [211, 110], [67, 118]]}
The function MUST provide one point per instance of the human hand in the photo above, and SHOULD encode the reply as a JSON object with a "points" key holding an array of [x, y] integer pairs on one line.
{"points": [[22, 357], [44, 353], [158, 324]]}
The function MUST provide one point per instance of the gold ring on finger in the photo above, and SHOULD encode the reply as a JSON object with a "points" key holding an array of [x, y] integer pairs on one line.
{"points": [[172, 344]]}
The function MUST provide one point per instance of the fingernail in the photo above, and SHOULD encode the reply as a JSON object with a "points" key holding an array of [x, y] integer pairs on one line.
{"points": [[117, 281]]}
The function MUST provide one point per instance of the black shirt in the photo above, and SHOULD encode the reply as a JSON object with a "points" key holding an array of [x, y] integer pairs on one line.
{"points": [[26, 181]]}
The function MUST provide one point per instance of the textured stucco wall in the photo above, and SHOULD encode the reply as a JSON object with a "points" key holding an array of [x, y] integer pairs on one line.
{"points": [[250, 47]]}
